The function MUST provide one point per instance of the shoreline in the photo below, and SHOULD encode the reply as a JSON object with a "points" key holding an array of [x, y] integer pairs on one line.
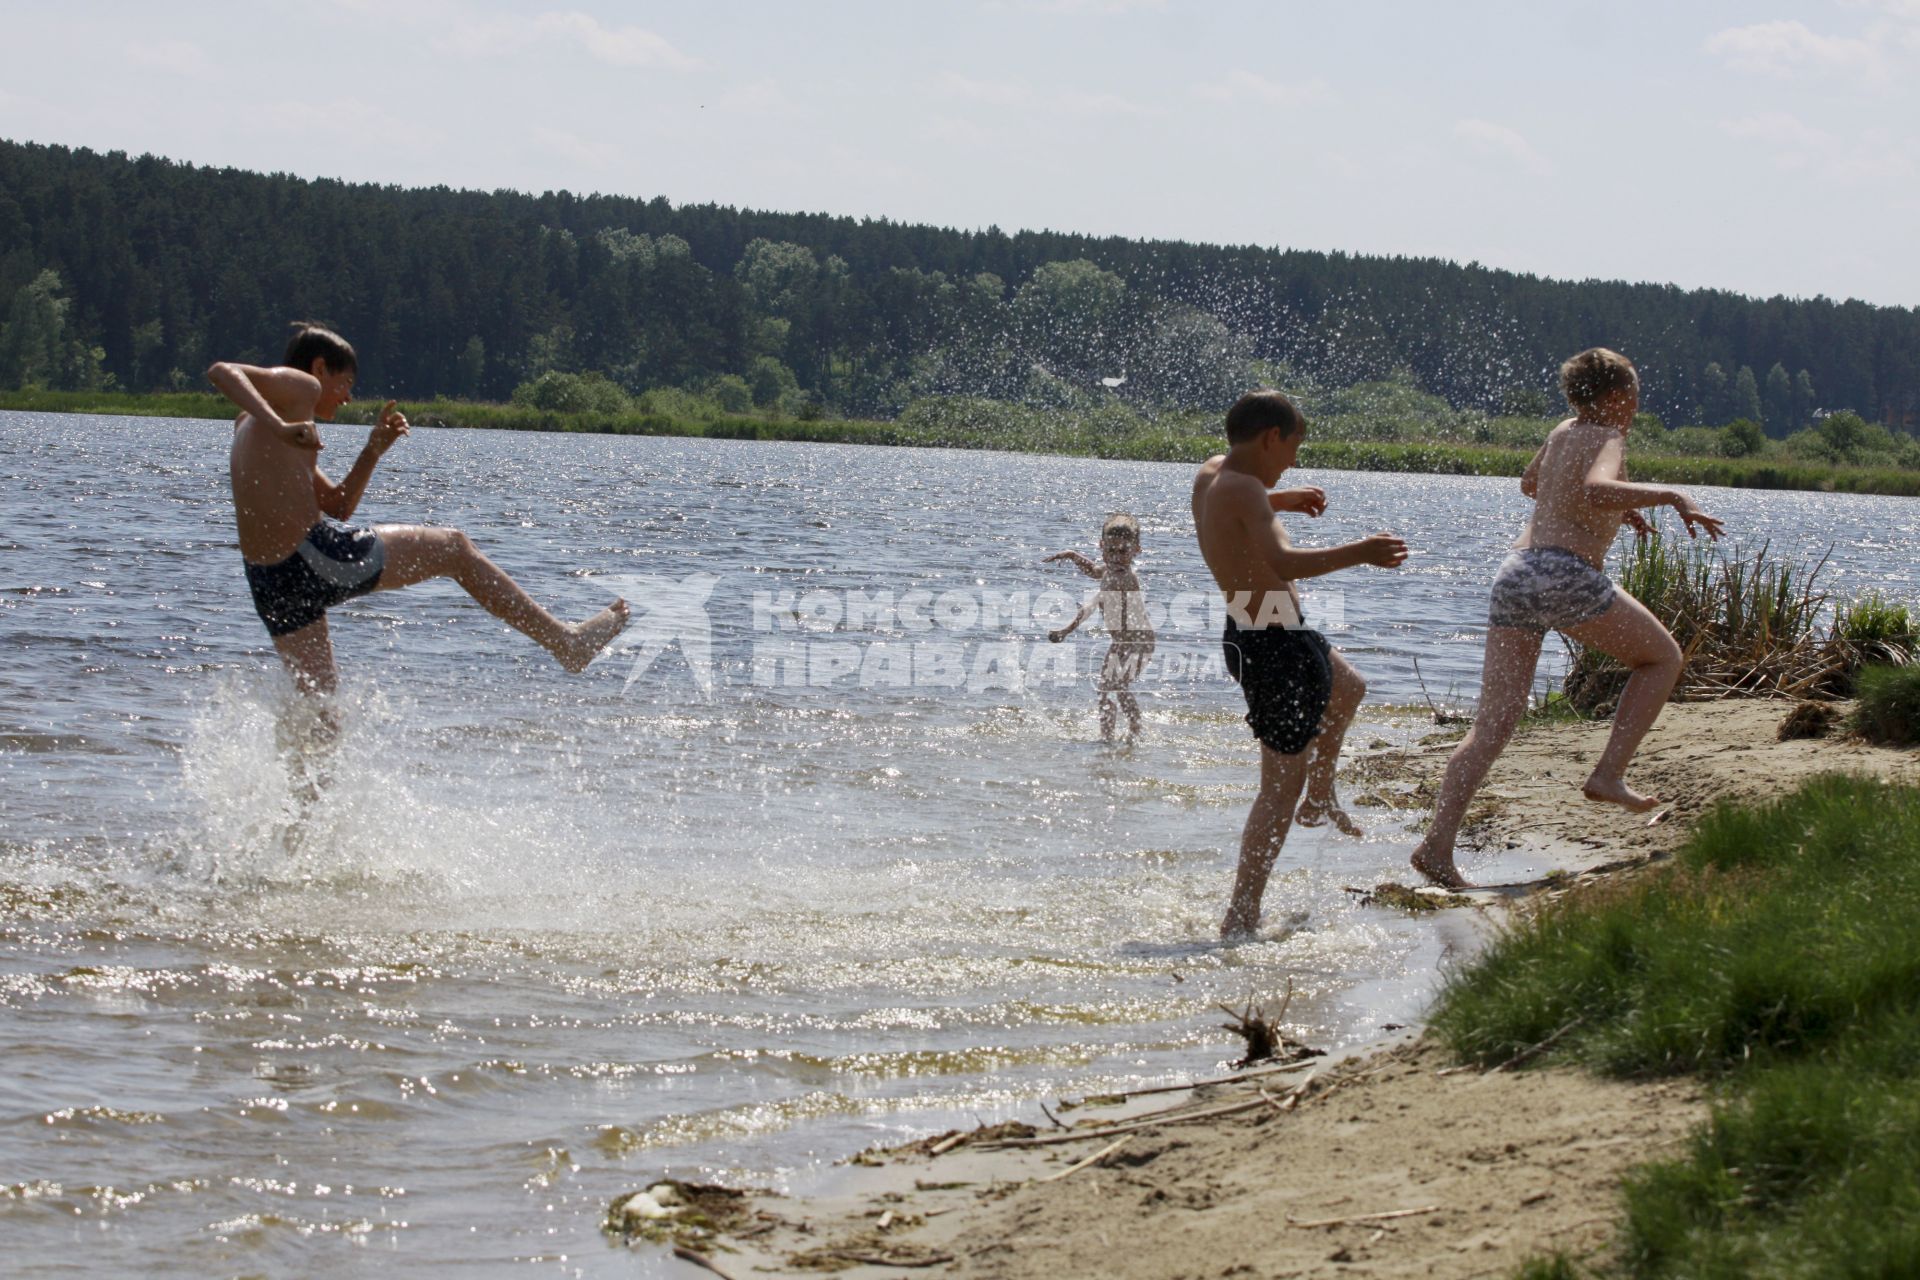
{"points": [[1386, 1160], [1401, 457]]}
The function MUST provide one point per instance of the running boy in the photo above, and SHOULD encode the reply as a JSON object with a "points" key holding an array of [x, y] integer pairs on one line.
{"points": [[1301, 695], [302, 558], [1123, 608], [1554, 580]]}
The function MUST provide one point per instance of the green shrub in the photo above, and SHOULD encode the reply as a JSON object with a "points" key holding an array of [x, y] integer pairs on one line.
{"points": [[1887, 706], [559, 392], [1742, 438]]}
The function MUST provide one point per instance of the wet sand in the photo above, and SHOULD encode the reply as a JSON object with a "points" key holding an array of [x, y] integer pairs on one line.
{"points": [[1388, 1162]]}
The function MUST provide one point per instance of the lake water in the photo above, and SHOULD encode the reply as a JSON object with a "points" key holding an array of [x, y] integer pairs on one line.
{"points": [[544, 937]]}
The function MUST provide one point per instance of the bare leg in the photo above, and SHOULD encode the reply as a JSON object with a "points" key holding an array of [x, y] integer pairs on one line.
{"points": [[308, 733], [1106, 716], [1129, 705], [1321, 805], [1629, 633], [1505, 680], [307, 654], [1281, 778], [415, 554]]}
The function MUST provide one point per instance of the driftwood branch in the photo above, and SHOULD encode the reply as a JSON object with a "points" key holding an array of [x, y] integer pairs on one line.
{"points": [[1366, 1217], [1093, 1159]]}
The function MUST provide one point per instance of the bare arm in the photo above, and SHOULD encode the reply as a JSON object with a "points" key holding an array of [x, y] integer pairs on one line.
{"points": [[1086, 610], [1085, 565], [1605, 489], [341, 500], [1288, 562], [1530, 478], [255, 391]]}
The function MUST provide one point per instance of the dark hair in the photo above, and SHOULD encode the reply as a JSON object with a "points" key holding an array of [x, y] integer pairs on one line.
{"points": [[312, 340], [1594, 373], [1257, 411]]}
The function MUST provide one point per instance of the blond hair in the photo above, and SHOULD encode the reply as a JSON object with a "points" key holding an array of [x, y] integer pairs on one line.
{"points": [[1594, 374]]}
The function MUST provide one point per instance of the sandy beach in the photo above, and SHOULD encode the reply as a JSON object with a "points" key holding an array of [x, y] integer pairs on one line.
{"points": [[1388, 1162]]}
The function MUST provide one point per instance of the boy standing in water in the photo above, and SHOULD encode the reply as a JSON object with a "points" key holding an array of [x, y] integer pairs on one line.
{"points": [[1301, 695], [302, 558], [1554, 580], [1123, 608]]}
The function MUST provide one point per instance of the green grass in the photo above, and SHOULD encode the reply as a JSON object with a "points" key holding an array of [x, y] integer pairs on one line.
{"points": [[1100, 432], [1887, 705], [1778, 958]]}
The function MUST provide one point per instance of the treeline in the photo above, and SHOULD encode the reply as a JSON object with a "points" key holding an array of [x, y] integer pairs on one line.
{"points": [[135, 273]]}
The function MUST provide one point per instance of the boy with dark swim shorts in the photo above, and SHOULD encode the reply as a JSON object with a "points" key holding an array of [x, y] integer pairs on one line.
{"points": [[302, 558], [1301, 694]]}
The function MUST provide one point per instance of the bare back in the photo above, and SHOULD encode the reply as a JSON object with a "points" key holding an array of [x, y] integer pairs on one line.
{"points": [[1226, 505], [1575, 452], [274, 501]]}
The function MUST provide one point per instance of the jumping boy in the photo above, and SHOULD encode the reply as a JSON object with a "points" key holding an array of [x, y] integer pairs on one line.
{"points": [[1555, 580], [1123, 608], [302, 558], [1301, 694]]}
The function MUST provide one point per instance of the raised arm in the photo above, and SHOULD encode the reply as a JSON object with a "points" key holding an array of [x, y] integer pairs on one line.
{"points": [[1085, 565], [1382, 549], [1605, 489], [341, 500], [269, 396]]}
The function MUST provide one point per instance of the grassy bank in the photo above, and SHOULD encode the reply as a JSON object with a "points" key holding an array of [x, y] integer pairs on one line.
{"points": [[1776, 956], [1073, 434]]}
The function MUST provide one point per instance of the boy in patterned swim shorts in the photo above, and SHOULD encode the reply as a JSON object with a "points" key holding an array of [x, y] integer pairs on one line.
{"points": [[1554, 581]]}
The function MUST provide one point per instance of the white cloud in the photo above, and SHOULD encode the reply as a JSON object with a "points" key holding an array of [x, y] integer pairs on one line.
{"points": [[1102, 104], [993, 92], [996, 93], [960, 133], [1789, 48], [571, 147], [181, 57], [761, 97], [1102, 7], [627, 46], [1245, 86], [1502, 142], [1874, 157], [353, 116]]}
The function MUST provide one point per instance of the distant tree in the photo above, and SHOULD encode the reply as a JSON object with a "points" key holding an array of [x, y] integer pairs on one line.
{"points": [[33, 341], [470, 371], [731, 392], [1777, 399], [1070, 317], [571, 393], [1525, 402], [769, 380], [1744, 399], [1715, 394], [1803, 399], [1742, 438]]}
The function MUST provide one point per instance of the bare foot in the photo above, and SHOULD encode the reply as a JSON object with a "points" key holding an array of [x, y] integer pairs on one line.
{"points": [[1313, 813], [1438, 868], [1618, 792], [591, 636]]}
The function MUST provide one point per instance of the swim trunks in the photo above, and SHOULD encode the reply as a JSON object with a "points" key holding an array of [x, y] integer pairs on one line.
{"points": [[1287, 676], [333, 563], [1548, 589]]}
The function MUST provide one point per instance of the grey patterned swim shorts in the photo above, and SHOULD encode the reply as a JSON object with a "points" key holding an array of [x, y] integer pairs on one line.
{"points": [[1548, 588]]}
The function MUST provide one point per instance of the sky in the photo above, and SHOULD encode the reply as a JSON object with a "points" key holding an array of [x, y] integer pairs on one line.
{"points": [[1766, 149]]}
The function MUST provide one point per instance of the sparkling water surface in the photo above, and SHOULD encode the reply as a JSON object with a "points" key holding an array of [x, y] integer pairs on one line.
{"points": [[541, 938]]}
